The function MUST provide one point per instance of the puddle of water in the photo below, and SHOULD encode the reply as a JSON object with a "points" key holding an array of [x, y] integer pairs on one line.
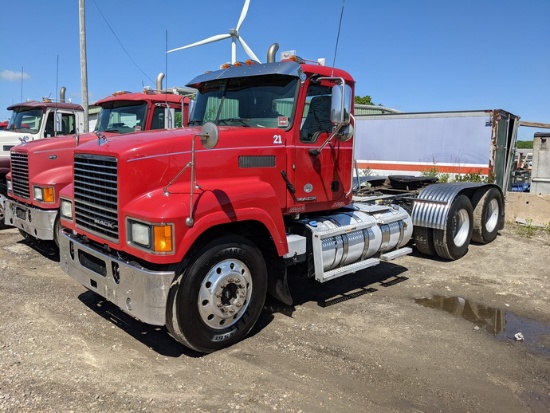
{"points": [[500, 323]]}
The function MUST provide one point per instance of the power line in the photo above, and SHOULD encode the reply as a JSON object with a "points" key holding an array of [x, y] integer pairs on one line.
{"points": [[120, 43]]}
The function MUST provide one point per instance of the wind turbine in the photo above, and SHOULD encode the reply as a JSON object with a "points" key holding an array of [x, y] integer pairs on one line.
{"points": [[233, 34]]}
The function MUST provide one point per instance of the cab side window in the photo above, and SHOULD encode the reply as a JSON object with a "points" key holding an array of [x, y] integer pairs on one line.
{"points": [[158, 118], [316, 114]]}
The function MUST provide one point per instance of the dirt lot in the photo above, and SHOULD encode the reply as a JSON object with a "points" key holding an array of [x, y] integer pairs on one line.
{"points": [[367, 343]]}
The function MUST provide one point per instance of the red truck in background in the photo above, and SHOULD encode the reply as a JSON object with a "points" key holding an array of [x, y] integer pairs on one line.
{"points": [[191, 228], [40, 169]]}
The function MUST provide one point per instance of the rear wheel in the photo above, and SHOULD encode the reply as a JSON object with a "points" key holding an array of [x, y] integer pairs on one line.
{"points": [[452, 242], [215, 301], [424, 240], [487, 215]]}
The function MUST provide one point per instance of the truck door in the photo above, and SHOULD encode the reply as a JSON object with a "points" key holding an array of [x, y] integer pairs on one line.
{"points": [[59, 123], [321, 180]]}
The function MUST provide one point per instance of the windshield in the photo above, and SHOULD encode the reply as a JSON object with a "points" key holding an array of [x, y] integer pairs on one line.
{"points": [[256, 101], [121, 117], [25, 120]]}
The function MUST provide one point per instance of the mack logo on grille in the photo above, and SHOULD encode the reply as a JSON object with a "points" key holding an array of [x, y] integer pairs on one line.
{"points": [[105, 223]]}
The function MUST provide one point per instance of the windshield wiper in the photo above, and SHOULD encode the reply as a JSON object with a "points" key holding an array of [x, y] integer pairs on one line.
{"points": [[232, 120]]}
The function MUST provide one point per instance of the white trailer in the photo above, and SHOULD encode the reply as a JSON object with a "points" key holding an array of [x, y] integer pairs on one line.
{"points": [[477, 142]]}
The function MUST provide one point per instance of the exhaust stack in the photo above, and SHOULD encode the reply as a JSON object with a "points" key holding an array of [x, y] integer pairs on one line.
{"points": [[271, 52], [160, 77]]}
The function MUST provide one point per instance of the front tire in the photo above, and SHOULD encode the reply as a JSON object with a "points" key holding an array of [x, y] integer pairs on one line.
{"points": [[2, 211], [452, 242], [215, 301], [56, 229]]}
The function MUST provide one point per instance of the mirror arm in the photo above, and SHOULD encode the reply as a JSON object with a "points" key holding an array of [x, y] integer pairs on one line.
{"points": [[209, 139], [317, 151], [189, 221]]}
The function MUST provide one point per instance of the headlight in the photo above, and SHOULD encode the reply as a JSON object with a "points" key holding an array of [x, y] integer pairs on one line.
{"points": [[141, 234], [66, 209], [45, 194], [155, 238], [9, 185]]}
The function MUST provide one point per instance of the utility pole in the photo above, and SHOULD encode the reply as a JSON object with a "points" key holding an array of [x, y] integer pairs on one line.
{"points": [[83, 64]]}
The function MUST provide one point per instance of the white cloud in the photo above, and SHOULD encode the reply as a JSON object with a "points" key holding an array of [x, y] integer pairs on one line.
{"points": [[12, 76]]}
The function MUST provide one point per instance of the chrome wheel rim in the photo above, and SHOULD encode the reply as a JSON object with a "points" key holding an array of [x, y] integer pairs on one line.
{"points": [[225, 293], [491, 217], [462, 227]]}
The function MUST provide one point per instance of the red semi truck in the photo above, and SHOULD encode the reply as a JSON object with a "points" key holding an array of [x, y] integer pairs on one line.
{"points": [[191, 228], [40, 169]]}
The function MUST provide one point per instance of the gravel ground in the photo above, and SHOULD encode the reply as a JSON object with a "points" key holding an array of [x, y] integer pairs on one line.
{"points": [[415, 335]]}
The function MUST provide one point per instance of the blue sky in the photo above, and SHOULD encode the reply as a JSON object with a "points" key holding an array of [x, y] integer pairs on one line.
{"points": [[411, 55]]}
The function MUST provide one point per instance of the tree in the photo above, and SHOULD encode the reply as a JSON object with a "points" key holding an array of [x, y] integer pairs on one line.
{"points": [[363, 100], [524, 144]]}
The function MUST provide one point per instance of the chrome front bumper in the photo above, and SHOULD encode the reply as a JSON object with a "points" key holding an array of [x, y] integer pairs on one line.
{"points": [[39, 223], [135, 290]]}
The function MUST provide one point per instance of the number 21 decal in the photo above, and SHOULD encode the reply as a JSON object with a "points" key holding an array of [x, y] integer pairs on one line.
{"points": [[277, 139]]}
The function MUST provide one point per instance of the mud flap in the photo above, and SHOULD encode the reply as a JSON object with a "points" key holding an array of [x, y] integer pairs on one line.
{"points": [[277, 281]]}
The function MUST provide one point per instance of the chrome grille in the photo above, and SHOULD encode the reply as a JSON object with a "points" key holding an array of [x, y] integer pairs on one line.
{"points": [[96, 195], [20, 174]]}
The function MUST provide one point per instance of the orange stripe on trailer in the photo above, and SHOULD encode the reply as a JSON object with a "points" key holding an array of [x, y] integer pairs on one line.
{"points": [[453, 169]]}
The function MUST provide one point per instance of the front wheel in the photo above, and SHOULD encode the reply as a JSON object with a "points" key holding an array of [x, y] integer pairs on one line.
{"points": [[452, 242], [215, 301], [56, 229], [2, 210]]}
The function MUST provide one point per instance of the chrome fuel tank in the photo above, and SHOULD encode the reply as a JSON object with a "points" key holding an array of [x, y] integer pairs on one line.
{"points": [[356, 234]]}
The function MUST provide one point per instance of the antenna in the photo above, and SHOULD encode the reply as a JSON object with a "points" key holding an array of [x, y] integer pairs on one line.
{"points": [[21, 83], [166, 58], [338, 36], [233, 35], [57, 79]]}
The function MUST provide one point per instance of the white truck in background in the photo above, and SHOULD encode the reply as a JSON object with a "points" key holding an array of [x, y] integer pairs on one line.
{"points": [[34, 120]]}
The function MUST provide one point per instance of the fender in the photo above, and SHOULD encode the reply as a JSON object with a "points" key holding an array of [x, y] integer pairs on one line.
{"points": [[56, 177], [431, 208], [217, 202]]}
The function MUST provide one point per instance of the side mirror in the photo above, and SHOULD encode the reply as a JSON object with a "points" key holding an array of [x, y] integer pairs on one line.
{"points": [[346, 133], [340, 108], [209, 135], [58, 123], [169, 118], [340, 111]]}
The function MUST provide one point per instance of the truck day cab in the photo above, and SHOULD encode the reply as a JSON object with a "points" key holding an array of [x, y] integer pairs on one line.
{"points": [[39, 170], [34, 120], [191, 228]]}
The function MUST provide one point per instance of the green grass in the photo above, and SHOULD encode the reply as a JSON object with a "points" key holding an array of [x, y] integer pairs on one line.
{"points": [[528, 230], [468, 177]]}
